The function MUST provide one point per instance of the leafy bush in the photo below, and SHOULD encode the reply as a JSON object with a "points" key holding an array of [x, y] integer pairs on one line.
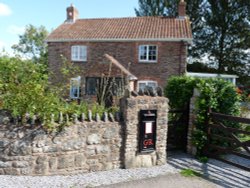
{"points": [[179, 90], [23, 88], [217, 94]]}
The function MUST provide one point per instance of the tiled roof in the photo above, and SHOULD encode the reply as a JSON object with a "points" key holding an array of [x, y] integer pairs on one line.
{"points": [[131, 28]]}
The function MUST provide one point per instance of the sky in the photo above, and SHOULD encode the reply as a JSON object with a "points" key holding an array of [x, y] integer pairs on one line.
{"points": [[16, 14]]}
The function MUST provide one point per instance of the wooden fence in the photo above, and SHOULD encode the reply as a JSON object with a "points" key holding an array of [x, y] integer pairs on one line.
{"points": [[224, 140]]}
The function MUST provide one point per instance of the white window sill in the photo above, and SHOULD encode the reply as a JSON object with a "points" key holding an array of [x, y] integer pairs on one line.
{"points": [[77, 60], [147, 61]]}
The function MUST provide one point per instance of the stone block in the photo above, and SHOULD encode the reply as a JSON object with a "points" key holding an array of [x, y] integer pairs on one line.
{"points": [[97, 167], [146, 161], [5, 164], [37, 150], [53, 164], [50, 149], [2, 172], [20, 164], [102, 149], [11, 135], [108, 166], [12, 171], [3, 143], [91, 150], [80, 160], [41, 160], [92, 161], [66, 162], [41, 169], [25, 171], [93, 139], [110, 133]]}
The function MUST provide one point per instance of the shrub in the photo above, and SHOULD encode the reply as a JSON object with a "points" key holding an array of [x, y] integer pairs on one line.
{"points": [[23, 88], [217, 94]]}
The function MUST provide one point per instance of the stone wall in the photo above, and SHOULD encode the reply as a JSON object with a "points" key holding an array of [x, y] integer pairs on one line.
{"points": [[191, 148], [90, 145], [83, 147], [132, 157]]}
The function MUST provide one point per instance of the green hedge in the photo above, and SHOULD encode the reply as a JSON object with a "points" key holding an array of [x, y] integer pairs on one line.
{"points": [[217, 94]]}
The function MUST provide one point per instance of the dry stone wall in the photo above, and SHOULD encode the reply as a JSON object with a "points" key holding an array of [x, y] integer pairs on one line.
{"points": [[83, 147], [89, 145]]}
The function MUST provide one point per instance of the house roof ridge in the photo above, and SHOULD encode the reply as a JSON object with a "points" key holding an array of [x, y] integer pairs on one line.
{"points": [[128, 17]]}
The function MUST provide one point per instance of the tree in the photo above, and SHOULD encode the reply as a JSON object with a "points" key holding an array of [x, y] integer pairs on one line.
{"points": [[226, 36], [31, 44]]}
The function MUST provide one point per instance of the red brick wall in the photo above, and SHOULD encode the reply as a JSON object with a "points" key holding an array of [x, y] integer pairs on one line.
{"points": [[171, 59]]}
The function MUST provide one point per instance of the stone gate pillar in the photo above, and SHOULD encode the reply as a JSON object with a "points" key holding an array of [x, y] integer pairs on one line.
{"points": [[130, 108]]}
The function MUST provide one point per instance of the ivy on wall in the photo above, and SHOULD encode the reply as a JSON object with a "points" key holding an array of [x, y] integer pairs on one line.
{"points": [[218, 95]]}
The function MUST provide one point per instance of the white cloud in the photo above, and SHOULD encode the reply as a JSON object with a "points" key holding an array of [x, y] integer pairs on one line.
{"points": [[5, 10], [15, 30]]}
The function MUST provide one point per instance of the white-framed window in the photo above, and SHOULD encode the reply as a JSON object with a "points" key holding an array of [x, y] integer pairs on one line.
{"points": [[79, 53], [75, 87], [148, 53], [141, 85]]}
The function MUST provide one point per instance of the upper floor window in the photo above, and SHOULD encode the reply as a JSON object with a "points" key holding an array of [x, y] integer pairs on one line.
{"points": [[148, 53], [75, 87], [79, 53], [146, 84]]}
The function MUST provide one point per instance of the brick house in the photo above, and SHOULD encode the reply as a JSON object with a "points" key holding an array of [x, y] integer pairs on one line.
{"points": [[154, 48]]}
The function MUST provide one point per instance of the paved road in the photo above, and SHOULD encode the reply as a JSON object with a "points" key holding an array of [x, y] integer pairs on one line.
{"points": [[166, 181], [215, 174]]}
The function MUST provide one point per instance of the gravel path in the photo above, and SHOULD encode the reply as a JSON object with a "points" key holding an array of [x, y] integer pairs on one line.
{"points": [[220, 174]]}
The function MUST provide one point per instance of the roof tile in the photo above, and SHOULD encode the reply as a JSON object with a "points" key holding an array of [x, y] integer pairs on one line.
{"points": [[131, 28]]}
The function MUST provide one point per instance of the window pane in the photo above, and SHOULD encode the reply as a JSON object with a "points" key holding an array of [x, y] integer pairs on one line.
{"points": [[152, 53], [142, 86], [152, 84], [83, 53], [143, 52], [74, 52], [75, 87], [91, 85]]}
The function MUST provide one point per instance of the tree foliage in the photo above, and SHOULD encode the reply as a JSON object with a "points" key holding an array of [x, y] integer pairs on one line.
{"points": [[32, 44], [226, 36], [23, 88], [151, 8]]}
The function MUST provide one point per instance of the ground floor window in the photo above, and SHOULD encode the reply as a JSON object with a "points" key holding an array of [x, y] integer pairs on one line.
{"points": [[75, 87], [146, 84], [91, 85], [114, 85]]}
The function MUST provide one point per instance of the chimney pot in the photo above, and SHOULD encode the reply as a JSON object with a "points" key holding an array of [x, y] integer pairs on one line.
{"points": [[72, 14]]}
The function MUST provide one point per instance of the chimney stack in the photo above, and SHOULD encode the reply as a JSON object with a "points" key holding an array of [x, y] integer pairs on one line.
{"points": [[182, 9], [72, 14]]}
